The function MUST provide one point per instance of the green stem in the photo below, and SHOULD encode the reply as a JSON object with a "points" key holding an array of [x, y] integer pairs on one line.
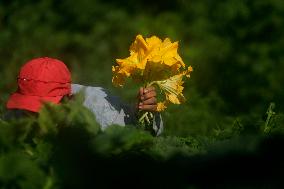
{"points": [[151, 83], [270, 113], [147, 119], [142, 117]]}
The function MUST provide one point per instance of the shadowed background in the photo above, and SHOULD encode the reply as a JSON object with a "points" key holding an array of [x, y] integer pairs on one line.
{"points": [[235, 47], [222, 137]]}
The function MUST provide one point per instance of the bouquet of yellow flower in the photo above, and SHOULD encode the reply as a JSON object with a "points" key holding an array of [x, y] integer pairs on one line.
{"points": [[153, 62]]}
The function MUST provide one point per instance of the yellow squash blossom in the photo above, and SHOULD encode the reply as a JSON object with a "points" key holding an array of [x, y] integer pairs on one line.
{"points": [[153, 61], [142, 50], [172, 87], [161, 106]]}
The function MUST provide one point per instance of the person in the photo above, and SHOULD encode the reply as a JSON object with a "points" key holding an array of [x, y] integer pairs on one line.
{"points": [[47, 79]]}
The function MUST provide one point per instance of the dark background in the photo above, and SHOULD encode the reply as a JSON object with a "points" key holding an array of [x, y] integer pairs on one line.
{"points": [[222, 137], [235, 47]]}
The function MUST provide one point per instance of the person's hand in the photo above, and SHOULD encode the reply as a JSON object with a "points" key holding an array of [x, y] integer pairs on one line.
{"points": [[147, 100]]}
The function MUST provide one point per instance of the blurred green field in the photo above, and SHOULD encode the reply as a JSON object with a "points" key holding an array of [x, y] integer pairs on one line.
{"points": [[234, 46], [64, 148]]}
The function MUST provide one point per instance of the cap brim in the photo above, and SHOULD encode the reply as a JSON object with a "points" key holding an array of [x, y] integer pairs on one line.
{"points": [[30, 103]]}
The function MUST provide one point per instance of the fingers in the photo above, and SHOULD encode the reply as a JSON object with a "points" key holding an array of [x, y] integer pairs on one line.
{"points": [[148, 94], [147, 98], [149, 89], [150, 101], [140, 93], [148, 105]]}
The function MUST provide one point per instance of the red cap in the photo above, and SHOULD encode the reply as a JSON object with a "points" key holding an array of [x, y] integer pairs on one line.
{"points": [[40, 80]]}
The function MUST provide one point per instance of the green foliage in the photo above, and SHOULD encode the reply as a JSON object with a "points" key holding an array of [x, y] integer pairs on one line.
{"points": [[63, 147], [116, 140], [166, 147], [18, 170], [27, 145], [235, 48]]}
